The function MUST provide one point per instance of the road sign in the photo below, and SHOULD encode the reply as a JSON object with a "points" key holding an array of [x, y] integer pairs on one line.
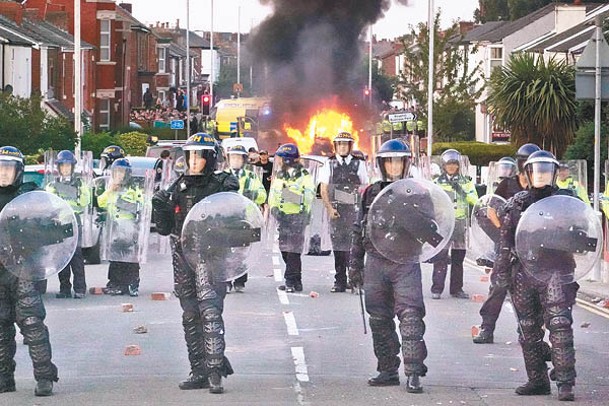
{"points": [[233, 126], [401, 117], [177, 124], [237, 87]]}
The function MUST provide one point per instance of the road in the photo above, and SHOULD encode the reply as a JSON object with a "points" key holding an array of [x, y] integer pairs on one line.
{"points": [[292, 349]]}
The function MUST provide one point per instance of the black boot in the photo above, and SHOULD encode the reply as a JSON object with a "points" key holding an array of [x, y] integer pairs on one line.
{"points": [[44, 387], [215, 383], [385, 379], [485, 336], [194, 382], [534, 388], [413, 384], [63, 295], [338, 288], [565, 392], [7, 385], [298, 286]]}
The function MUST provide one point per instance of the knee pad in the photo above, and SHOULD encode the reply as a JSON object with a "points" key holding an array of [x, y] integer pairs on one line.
{"points": [[412, 326], [559, 323], [530, 330], [212, 321], [381, 323]]}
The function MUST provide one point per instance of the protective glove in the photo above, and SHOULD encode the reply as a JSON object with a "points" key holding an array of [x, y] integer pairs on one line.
{"points": [[503, 271], [162, 200]]}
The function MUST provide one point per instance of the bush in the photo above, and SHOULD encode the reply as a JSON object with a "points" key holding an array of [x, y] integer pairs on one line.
{"points": [[134, 143], [97, 142], [479, 153]]}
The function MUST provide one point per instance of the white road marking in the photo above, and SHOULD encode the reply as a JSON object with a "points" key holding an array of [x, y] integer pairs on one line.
{"points": [[290, 322], [301, 366], [276, 260], [283, 297], [277, 274]]}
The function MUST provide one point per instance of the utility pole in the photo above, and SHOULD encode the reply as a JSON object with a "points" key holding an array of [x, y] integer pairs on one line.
{"points": [[77, 79]]}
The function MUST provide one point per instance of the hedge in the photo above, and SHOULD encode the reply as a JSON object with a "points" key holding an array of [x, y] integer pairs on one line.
{"points": [[479, 153]]}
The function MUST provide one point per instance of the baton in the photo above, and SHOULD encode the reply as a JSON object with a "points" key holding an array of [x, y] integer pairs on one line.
{"points": [[361, 305]]}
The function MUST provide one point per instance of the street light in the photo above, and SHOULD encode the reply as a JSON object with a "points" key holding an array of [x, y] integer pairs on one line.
{"points": [[188, 95], [430, 86], [77, 78]]}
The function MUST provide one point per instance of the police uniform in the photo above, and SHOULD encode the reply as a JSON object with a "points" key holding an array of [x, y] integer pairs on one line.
{"points": [[538, 303], [78, 196], [463, 193], [21, 303], [202, 303]]}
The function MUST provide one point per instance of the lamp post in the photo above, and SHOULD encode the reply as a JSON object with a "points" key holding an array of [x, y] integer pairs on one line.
{"points": [[211, 53], [77, 78], [188, 96], [430, 86]]}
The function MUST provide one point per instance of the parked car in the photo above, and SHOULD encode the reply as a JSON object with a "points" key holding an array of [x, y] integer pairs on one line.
{"points": [[246, 142]]}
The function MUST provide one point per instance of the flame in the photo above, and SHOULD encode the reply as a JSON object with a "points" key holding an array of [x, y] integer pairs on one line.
{"points": [[323, 125]]}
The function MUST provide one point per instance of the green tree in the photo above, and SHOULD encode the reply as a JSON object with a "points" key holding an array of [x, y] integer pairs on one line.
{"points": [[25, 125], [96, 142], [492, 10], [223, 88], [134, 143], [456, 81], [535, 100]]}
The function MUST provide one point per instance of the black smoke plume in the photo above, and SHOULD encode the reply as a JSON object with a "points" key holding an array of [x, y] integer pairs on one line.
{"points": [[310, 50]]}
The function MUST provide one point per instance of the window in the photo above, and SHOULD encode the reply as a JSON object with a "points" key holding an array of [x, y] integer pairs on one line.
{"points": [[104, 40], [496, 59], [162, 59], [104, 114]]}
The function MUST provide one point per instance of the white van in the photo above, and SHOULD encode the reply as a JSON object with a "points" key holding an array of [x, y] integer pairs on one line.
{"points": [[246, 142]]}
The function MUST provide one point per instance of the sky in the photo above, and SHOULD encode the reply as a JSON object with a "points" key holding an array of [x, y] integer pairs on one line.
{"points": [[395, 23]]}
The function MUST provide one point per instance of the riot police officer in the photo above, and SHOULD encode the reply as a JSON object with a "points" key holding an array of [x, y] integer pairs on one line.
{"points": [[290, 200], [71, 189], [121, 195], [340, 185], [392, 289], [250, 186], [491, 308], [463, 193], [20, 302], [202, 305], [110, 154], [537, 302]]}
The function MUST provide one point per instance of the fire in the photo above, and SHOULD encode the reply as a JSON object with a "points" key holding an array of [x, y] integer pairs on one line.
{"points": [[323, 126]]}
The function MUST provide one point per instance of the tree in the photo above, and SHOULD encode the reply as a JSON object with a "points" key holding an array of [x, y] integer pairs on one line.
{"points": [[456, 82], [535, 100], [223, 88], [25, 125]]}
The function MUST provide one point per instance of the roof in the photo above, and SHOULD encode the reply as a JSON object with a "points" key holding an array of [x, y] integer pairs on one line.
{"points": [[478, 33], [37, 33], [195, 40], [10, 33]]}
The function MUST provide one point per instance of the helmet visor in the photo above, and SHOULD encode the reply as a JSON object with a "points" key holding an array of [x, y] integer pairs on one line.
{"points": [[394, 168], [197, 161], [120, 174], [541, 174], [8, 172]]}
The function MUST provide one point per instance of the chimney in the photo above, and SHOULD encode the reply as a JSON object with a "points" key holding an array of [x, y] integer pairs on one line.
{"points": [[178, 24], [127, 7], [577, 2]]}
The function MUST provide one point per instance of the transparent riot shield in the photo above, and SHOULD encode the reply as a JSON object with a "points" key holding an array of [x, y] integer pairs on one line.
{"points": [[221, 237], [411, 220], [497, 171], [38, 235], [559, 237], [291, 200], [484, 230], [573, 175], [127, 219], [344, 189]]}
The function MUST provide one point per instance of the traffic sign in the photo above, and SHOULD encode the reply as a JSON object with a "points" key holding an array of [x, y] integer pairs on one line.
{"points": [[401, 117], [177, 124], [233, 126]]}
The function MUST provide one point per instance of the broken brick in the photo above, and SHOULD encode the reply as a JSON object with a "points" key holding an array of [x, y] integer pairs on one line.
{"points": [[159, 296], [127, 307], [133, 350]]}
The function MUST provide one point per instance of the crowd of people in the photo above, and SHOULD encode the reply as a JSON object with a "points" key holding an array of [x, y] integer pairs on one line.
{"points": [[381, 226]]}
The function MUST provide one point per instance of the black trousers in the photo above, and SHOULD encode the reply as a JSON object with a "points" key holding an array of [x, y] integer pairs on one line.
{"points": [[123, 274], [491, 308], [293, 267], [341, 259], [440, 269], [76, 267]]}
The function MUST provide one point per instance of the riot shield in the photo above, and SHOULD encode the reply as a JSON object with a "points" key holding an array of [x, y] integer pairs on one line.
{"points": [[128, 215], [497, 171], [411, 220], [221, 236], [484, 231], [559, 237], [38, 235], [344, 191], [291, 200]]}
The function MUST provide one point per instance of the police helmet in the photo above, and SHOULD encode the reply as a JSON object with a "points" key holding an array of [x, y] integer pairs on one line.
{"points": [[344, 137], [109, 155], [288, 153], [507, 167], [122, 166], [238, 150], [11, 157], [451, 156], [66, 157], [541, 169], [204, 146], [180, 166], [523, 154], [391, 151]]}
